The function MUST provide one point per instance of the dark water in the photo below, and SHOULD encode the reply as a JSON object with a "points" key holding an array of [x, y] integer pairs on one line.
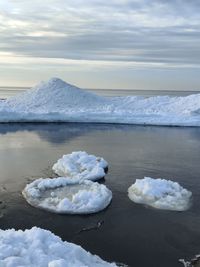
{"points": [[6, 92], [131, 233]]}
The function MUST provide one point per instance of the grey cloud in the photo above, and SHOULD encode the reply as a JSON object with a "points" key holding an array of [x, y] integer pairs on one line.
{"points": [[142, 31]]}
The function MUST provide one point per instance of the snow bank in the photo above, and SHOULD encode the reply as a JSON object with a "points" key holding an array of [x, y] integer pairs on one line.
{"points": [[41, 248], [160, 193], [79, 165], [56, 100], [64, 195]]}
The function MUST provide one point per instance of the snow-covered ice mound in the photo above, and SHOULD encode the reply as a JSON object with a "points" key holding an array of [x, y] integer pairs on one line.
{"points": [[79, 165], [64, 195], [160, 194], [54, 95], [56, 100], [41, 248]]}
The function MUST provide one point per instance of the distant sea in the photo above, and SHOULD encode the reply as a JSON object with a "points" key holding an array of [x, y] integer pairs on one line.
{"points": [[6, 92]]}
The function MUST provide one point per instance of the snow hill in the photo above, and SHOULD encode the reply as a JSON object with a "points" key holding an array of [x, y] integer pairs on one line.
{"points": [[56, 100], [55, 95]]}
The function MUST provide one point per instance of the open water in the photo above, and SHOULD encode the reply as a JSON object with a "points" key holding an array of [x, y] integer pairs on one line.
{"points": [[130, 233]]}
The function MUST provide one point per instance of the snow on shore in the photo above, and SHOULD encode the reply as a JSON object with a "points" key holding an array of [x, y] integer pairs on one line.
{"points": [[41, 248], [160, 193], [56, 100], [79, 165], [64, 195]]}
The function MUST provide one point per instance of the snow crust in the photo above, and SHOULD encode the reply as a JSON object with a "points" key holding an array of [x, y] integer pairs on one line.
{"points": [[160, 194], [79, 165], [64, 195], [56, 100], [41, 248]]}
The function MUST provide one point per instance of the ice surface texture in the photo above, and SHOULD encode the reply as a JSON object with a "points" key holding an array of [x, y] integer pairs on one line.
{"points": [[64, 195], [56, 100], [79, 165], [41, 248], [160, 194]]}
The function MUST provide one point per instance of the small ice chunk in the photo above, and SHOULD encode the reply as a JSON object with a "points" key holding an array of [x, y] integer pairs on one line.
{"points": [[160, 194], [81, 166], [64, 195], [41, 248]]}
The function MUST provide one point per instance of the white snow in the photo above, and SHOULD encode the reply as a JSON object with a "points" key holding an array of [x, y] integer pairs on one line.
{"points": [[160, 193], [56, 100], [64, 195], [41, 248], [79, 165]]}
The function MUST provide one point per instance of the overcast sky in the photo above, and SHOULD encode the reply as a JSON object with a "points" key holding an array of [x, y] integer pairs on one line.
{"points": [[138, 44]]}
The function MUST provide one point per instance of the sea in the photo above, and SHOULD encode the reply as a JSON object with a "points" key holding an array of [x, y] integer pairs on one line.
{"points": [[130, 233], [6, 92]]}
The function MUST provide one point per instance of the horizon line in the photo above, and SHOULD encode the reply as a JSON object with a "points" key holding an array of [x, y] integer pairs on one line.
{"points": [[116, 89]]}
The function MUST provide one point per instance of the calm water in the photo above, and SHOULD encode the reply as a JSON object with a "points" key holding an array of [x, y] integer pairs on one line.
{"points": [[131, 233], [6, 92]]}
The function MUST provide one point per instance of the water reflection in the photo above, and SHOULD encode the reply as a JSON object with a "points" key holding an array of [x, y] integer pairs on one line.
{"points": [[55, 132], [62, 132], [131, 233]]}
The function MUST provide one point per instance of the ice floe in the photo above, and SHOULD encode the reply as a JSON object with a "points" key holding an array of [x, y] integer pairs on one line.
{"points": [[41, 248], [64, 195], [79, 165], [56, 100], [160, 193]]}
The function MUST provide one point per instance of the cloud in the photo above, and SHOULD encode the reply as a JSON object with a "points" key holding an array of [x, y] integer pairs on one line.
{"points": [[123, 43], [117, 30]]}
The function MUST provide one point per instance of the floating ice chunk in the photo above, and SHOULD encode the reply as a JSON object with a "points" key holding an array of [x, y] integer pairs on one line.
{"points": [[41, 248], [160, 194], [64, 195], [81, 166]]}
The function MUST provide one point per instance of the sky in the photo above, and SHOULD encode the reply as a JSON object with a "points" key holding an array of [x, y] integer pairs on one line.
{"points": [[115, 44]]}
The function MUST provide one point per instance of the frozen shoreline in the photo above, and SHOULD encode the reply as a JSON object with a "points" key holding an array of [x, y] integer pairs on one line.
{"points": [[57, 101], [41, 248]]}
